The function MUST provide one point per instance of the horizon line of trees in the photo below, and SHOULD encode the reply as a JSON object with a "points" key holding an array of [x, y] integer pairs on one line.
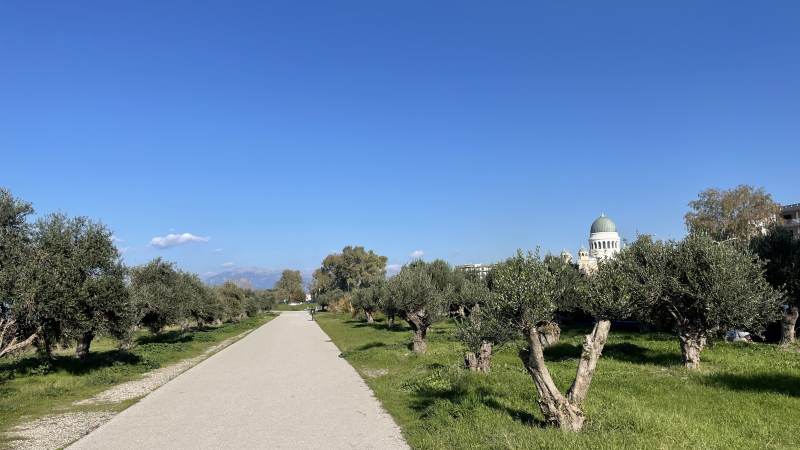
{"points": [[62, 281]]}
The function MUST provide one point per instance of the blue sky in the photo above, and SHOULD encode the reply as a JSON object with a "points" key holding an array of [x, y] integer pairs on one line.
{"points": [[280, 132]]}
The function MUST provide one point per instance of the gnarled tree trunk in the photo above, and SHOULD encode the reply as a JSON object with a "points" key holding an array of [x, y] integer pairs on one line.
{"points": [[592, 349], [84, 342], [420, 344], [789, 325], [481, 361], [549, 333], [9, 342], [692, 343], [420, 329], [556, 408], [44, 346], [565, 411], [370, 318]]}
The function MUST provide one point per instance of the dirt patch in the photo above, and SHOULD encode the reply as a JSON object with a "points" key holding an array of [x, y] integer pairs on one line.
{"points": [[375, 373]]}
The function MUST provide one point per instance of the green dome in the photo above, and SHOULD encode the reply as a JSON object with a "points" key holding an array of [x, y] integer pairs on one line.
{"points": [[603, 225]]}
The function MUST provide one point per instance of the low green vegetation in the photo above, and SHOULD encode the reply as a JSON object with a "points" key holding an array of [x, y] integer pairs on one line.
{"points": [[31, 385], [642, 395]]}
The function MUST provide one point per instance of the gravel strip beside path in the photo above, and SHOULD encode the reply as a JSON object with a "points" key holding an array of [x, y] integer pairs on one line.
{"points": [[154, 379], [283, 386]]}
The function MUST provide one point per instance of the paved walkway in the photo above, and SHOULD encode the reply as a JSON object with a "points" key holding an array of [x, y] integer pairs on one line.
{"points": [[282, 386]]}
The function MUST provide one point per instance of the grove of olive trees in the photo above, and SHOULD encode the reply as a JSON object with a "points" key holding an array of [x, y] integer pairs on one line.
{"points": [[62, 282]]}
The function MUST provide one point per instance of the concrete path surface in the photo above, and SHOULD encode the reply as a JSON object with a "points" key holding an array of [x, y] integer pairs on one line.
{"points": [[282, 386]]}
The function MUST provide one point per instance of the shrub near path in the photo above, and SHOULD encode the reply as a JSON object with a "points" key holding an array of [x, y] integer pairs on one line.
{"points": [[32, 388], [745, 396]]}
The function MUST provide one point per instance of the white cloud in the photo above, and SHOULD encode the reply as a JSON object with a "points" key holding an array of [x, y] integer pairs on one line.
{"points": [[114, 238], [123, 249], [228, 264], [393, 269], [217, 250], [417, 254], [171, 240]]}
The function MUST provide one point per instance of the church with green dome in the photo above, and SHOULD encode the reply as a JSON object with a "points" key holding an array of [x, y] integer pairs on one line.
{"points": [[604, 242]]}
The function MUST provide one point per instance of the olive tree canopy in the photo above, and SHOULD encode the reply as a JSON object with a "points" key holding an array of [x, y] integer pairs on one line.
{"points": [[701, 286], [14, 248], [369, 299], [421, 293], [73, 284], [527, 293], [160, 295]]}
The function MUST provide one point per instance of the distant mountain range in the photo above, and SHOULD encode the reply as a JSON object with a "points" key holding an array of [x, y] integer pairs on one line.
{"points": [[253, 277]]}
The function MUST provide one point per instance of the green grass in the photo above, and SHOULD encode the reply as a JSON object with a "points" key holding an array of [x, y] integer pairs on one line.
{"points": [[288, 307], [744, 396], [31, 387]]}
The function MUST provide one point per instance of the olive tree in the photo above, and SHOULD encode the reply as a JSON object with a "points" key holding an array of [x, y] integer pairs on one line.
{"points": [[780, 250], [421, 293], [264, 298], [160, 294], [388, 306], [699, 286], [234, 301], [327, 298], [73, 284], [527, 291], [480, 331], [15, 242], [570, 291], [368, 299], [204, 306], [712, 288]]}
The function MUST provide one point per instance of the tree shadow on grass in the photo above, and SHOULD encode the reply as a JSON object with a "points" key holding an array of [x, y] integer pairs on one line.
{"points": [[36, 364], [464, 397], [633, 353], [558, 352], [624, 351], [760, 382], [168, 337], [370, 345], [378, 325]]}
